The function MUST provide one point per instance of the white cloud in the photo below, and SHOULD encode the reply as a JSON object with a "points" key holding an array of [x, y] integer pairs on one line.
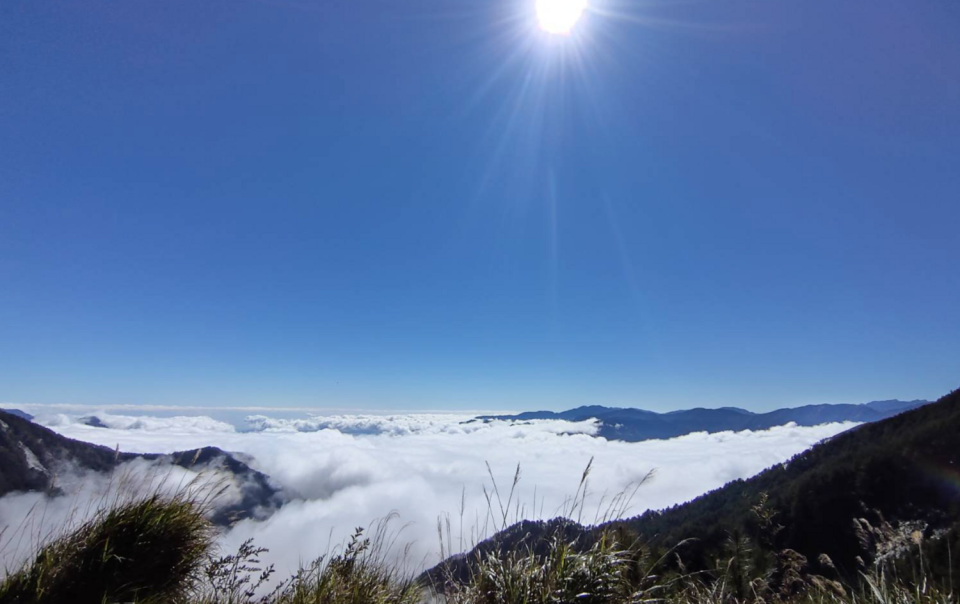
{"points": [[198, 424], [347, 470]]}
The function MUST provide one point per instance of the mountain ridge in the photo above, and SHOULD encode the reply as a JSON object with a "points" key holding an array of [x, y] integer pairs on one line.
{"points": [[633, 425], [31, 456]]}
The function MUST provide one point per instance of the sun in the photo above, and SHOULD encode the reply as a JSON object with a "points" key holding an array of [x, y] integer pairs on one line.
{"points": [[559, 16]]}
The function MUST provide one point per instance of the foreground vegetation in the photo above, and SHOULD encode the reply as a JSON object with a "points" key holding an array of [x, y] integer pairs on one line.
{"points": [[160, 549]]}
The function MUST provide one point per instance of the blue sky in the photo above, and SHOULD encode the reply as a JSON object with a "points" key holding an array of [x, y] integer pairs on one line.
{"points": [[431, 204]]}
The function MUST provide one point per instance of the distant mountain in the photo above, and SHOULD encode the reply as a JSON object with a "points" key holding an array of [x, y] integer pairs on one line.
{"points": [[18, 413], [895, 405], [32, 456], [93, 421], [634, 425], [849, 497]]}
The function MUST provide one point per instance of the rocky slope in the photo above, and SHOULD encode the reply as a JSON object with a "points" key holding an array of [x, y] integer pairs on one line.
{"points": [[32, 457]]}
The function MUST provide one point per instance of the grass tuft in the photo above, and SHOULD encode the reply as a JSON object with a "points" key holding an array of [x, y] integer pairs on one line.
{"points": [[160, 549], [145, 550]]}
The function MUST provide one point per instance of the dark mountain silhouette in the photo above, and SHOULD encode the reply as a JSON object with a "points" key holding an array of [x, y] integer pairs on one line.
{"points": [[32, 456], [637, 424], [93, 421], [18, 413], [838, 498]]}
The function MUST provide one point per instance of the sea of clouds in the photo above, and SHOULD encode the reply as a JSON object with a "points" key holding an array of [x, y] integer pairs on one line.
{"points": [[346, 471]]}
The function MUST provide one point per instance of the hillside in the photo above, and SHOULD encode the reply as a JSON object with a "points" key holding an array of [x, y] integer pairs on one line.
{"points": [[634, 425], [900, 469], [32, 456], [904, 469]]}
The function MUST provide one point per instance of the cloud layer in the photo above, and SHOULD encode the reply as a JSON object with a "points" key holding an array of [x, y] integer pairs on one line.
{"points": [[345, 471]]}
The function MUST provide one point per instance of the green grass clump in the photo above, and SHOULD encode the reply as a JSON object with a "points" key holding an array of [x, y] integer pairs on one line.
{"points": [[146, 550], [357, 576], [606, 572], [603, 573]]}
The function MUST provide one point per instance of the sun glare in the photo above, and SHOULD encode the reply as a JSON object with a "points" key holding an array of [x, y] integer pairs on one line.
{"points": [[559, 16]]}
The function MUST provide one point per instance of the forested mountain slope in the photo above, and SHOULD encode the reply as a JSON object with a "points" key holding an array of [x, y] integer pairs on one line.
{"points": [[903, 468], [838, 498]]}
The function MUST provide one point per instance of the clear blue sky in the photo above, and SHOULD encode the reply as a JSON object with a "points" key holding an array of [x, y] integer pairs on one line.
{"points": [[430, 204]]}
